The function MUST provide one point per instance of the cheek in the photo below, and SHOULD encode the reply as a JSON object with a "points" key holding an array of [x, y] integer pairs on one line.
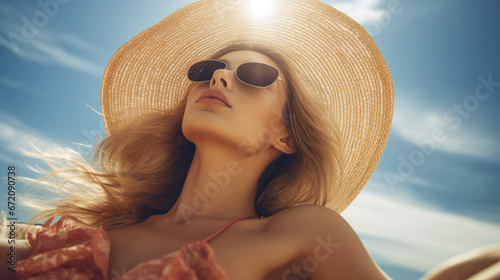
{"points": [[193, 93], [261, 130], [261, 117]]}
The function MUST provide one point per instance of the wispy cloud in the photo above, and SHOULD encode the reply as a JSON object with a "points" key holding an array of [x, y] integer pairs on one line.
{"points": [[13, 84], [14, 138], [416, 121], [18, 137], [38, 43], [414, 234], [362, 11]]}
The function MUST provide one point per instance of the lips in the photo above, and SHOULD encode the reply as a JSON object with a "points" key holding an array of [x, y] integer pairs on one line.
{"points": [[215, 95]]}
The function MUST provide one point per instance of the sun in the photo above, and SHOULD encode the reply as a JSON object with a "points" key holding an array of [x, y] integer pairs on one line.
{"points": [[260, 7]]}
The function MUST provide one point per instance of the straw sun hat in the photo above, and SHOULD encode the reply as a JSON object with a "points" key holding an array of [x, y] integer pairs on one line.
{"points": [[332, 50]]}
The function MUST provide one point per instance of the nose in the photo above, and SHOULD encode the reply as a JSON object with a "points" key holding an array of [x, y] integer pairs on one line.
{"points": [[222, 78]]}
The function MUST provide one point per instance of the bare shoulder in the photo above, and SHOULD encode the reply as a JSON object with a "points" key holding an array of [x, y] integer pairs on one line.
{"points": [[308, 219], [329, 248]]}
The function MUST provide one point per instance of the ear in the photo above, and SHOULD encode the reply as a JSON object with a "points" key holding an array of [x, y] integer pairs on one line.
{"points": [[285, 144]]}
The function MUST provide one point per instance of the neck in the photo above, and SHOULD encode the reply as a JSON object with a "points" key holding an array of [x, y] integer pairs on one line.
{"points": [[220, 184]]}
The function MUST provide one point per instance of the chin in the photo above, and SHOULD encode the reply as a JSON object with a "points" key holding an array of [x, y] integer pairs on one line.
{"points": [[198, 132], [195, 129]]}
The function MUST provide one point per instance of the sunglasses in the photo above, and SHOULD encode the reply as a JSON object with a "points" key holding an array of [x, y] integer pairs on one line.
{"points": [[251, 73]]}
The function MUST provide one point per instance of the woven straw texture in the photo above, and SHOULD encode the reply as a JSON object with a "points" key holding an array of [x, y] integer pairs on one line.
{"points": [[334, 53]]}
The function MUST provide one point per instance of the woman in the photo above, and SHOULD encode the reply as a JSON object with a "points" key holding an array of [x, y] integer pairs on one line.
{"points": [[210, 129], [277, 132]]}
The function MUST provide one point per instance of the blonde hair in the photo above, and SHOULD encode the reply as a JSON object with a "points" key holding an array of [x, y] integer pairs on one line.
{"points": [[140, 170]]}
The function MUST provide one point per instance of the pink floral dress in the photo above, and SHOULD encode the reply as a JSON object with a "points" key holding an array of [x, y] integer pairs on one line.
{"points": [[71, 249]]}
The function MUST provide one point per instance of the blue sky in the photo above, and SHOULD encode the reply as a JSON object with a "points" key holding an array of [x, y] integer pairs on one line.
{"points": [[436, 191]]}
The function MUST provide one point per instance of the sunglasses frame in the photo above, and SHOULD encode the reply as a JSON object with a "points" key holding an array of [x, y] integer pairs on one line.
{"points": [[278, 78]]}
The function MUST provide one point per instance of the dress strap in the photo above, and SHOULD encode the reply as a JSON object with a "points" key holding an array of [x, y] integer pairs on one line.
{"points": [[227, 225]]}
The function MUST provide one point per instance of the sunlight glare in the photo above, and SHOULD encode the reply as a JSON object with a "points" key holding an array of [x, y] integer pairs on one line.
{"points": [[260, 7]]}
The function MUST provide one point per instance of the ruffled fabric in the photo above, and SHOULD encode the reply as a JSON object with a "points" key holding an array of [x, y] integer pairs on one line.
{"points": [[195, 261], [71, 249]]}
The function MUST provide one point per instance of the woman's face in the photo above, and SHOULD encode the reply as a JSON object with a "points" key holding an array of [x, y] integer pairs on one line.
{"points": [[252, 118]]}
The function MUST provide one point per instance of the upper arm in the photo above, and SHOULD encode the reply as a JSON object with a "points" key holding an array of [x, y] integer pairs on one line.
{"points": [[479, 263], [331, 249]]}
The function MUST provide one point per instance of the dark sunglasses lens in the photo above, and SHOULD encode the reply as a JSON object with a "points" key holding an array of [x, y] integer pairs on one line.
{"points": [[204, 70], [257, 74]]}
